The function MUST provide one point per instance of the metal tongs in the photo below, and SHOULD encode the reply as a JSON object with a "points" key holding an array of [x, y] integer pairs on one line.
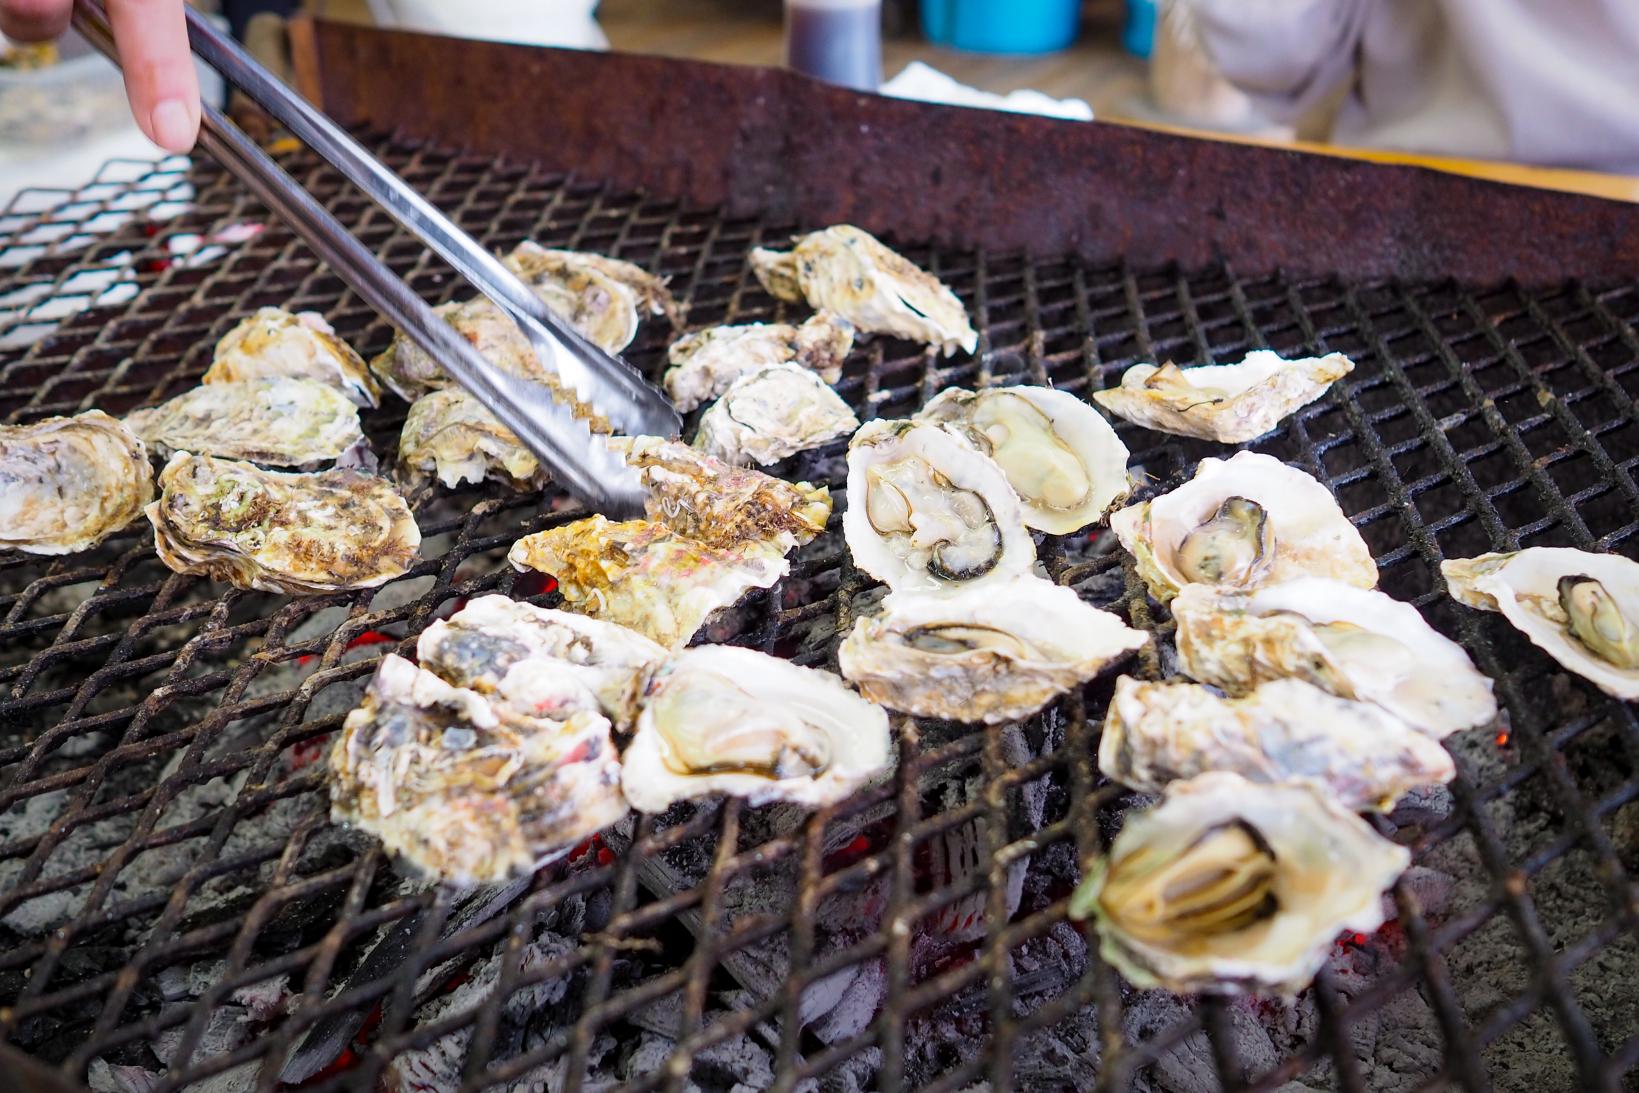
{"points": [[579, 460]]}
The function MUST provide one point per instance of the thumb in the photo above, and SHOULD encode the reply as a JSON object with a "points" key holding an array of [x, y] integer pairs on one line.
{"points": [[159, 72]]}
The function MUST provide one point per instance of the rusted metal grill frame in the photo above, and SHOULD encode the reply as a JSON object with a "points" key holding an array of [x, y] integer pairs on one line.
{"points": [[1395, 426]]}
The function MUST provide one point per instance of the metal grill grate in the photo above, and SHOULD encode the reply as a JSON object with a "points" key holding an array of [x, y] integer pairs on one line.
{"points": [[172, 897]]}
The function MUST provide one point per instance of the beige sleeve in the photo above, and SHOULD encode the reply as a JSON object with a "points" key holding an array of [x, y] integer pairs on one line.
{"points": [[1286, 54]]}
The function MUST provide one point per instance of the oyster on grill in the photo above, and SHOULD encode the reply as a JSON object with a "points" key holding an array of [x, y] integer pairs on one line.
{"points": [[1353, 642], [1579, 607], [1355, 753], [603, 298], [1059, 454], [705, 363], [1243, 522], [850, 272], [541, 662], [719, 719], [274, 342], [1230, 886], [465, 789], [67, 483], [766, 416], [927, 513], [449, 435], [278, 532], [279, 421], [647, 576], [1230, 403], [992, 654]]}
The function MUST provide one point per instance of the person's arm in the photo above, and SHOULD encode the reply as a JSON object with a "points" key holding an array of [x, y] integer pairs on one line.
{"points": [[153, 44], [1284, 53]]}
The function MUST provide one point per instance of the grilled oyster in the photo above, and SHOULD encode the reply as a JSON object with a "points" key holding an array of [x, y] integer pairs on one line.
{"points": [[1230, 403], [1286, 730], [645, 575], [766, 416], [279, 421], [1580, 608], [541, 662], [291, 533], [705, 363], [927, 513], [1229, 886], [850, 272], [718, 719], [273, 342], [1059, 454], [604, 298], [994, 653], [468, 790], [450, 436], [67, 483], [1242, 522], [1353, 642]]}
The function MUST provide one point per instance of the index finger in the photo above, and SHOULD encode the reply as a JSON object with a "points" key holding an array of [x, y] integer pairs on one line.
{"points": [[159, 73]]}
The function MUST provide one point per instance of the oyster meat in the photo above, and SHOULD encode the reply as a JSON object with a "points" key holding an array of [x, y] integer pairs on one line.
{"points": [[449, 435], [850, 272], [647, 576], [603, 298], [274, 342], [927, 513], [1243, 522], [1230, 886], [1059, 454], [719, 719], [1353, 642], [992, 654], [1230, 403], [466, 789], [705, 363], [1286, 730], [67, 483], [279, 421], [1579, 607], [278, 532], [767, 416]]}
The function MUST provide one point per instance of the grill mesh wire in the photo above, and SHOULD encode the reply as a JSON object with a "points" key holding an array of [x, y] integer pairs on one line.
{"points": [[1477, 420]]}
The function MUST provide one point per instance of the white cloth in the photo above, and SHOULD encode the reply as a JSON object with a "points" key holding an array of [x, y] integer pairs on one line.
{"points": [[568, 24], [927, 84]]}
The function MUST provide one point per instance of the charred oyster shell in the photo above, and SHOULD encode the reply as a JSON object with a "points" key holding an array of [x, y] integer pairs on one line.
{"points": [[450, 436], [278, 421], [274, 342], [705, 363], [1229, 403], [67, 483], [766, 416]]}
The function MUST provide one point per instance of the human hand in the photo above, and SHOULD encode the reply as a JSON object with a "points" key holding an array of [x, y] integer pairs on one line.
{"points": [[153, 43]]}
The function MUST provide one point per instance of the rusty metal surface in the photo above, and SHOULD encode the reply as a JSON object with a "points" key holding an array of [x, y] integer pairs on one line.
{"points": [[767, 142]]}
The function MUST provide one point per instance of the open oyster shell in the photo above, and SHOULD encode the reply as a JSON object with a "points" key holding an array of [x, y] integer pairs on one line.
{"points": [[274, 342], [1353, 642], [766, 416], [1242, 522], [67, 483], [1579, 607], [279, 421], [605, 298], [466, 789], [850, 272], [705, 363], [1229, 886], [278, 532], [1059, 454], [449, 435], [1286, 730], [720, 719], [1230, 403], [992, 654], [928, 513]]}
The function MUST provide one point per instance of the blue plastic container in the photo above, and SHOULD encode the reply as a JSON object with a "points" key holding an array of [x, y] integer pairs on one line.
{"points": [[1002, 26], [1138, 35]]}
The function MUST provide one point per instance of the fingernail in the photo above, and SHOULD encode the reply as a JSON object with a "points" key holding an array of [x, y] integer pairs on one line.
{"points": [[173, 125]]}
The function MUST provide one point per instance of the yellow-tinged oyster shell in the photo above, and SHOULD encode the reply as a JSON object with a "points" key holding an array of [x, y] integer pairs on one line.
{"points": [[278, 532], [279, 420], [604, 298], [850, 272], [449, 435], [767, 416], [705, 363], [1230, 403], [67, 483], [273, 342]]}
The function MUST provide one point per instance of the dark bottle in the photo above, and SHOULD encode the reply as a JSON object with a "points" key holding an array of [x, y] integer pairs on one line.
{"points": [[839, 41]]}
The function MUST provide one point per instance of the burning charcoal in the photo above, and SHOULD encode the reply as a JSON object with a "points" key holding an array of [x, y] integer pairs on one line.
{"points": [[265, 1000], [855, 1005], [105, 1077], [1064, 1056], [1042, 967]]}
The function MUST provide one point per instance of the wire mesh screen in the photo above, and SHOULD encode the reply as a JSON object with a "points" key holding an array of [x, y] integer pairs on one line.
{"points": [[176, 910]]}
